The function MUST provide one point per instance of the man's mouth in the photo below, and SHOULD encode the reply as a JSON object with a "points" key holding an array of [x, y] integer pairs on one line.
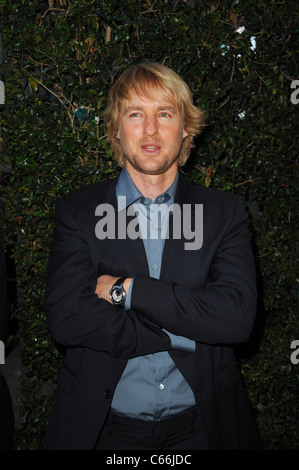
{"points": [[151, 148]]}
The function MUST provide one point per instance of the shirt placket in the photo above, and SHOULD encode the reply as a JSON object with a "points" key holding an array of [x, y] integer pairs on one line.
{"points": [[155, 247]]}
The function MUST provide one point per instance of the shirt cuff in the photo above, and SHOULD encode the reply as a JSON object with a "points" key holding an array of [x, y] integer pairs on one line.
{"points": [[181, 343], [129, 295]]}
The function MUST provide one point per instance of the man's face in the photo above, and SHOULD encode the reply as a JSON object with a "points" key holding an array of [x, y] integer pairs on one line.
{"points": [[150, 133]]}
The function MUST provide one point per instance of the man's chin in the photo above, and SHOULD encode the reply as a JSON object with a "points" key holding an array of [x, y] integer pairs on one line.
{"points": [[151, 171], [151, 167]]}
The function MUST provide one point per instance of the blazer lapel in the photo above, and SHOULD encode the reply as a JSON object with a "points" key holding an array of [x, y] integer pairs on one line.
{"points": [[174, 249], [131, 250]]}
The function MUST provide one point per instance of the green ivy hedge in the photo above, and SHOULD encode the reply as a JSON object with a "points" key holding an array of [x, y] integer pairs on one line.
{"points": [[60, 58]]}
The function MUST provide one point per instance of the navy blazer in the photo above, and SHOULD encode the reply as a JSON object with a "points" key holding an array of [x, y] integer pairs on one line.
{"points": [[207, 295]]}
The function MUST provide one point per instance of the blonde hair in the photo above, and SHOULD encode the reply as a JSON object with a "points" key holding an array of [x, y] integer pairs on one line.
{"points": [[145, 79]]}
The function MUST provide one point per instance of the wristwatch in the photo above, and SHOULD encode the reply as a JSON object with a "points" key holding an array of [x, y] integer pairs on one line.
{"points": [[117, 292]]}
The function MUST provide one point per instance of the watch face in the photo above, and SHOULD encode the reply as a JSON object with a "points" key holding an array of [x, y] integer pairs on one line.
{"points": [[117, 295]]}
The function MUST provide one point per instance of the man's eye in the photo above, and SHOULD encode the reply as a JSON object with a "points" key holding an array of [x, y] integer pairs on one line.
{"points": [[135, 115], [164, 114]]}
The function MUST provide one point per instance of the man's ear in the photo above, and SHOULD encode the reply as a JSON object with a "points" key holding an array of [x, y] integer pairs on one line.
{"points": [[117, 133], [185, 133]]}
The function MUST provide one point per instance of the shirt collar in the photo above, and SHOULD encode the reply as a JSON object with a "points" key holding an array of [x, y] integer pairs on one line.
{"points": [[127, 193]]}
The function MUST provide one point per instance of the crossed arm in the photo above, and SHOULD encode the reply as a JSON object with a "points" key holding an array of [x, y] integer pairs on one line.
{"points": [[104, 284], [77, 313], [80, 313]]}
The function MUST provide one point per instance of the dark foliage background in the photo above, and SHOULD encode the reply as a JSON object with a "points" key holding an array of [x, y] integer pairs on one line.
{"points": [[60, 57]]}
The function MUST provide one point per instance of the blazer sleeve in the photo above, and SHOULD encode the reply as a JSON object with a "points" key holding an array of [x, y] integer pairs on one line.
{"points": [[223, 311], [75, 314]]}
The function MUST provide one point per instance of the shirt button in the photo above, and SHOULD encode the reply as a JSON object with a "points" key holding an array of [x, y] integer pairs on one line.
{"points": [[154, 266], [161, 386]]}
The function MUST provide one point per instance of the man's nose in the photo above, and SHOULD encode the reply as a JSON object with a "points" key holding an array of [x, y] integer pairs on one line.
{"points": [[151, 126]]}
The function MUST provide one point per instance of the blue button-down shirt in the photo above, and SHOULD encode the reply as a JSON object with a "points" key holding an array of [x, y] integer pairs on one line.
{"points": [[151, 387]]}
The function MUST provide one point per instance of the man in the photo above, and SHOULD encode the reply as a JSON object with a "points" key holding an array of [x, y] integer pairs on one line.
{"points": [[147, 318]]}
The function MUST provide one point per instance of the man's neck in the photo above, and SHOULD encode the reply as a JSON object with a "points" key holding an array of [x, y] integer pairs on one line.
{"points": [[152, 186]]}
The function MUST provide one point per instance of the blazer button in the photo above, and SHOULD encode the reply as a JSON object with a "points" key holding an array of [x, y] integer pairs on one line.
{"points": [[107, 393]]}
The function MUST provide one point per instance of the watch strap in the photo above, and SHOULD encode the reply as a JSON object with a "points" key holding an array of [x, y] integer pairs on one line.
{"points": [[119, 281]]}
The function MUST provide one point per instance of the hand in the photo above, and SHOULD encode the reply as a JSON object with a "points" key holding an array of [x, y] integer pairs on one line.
{"points": [[104, 284]]}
